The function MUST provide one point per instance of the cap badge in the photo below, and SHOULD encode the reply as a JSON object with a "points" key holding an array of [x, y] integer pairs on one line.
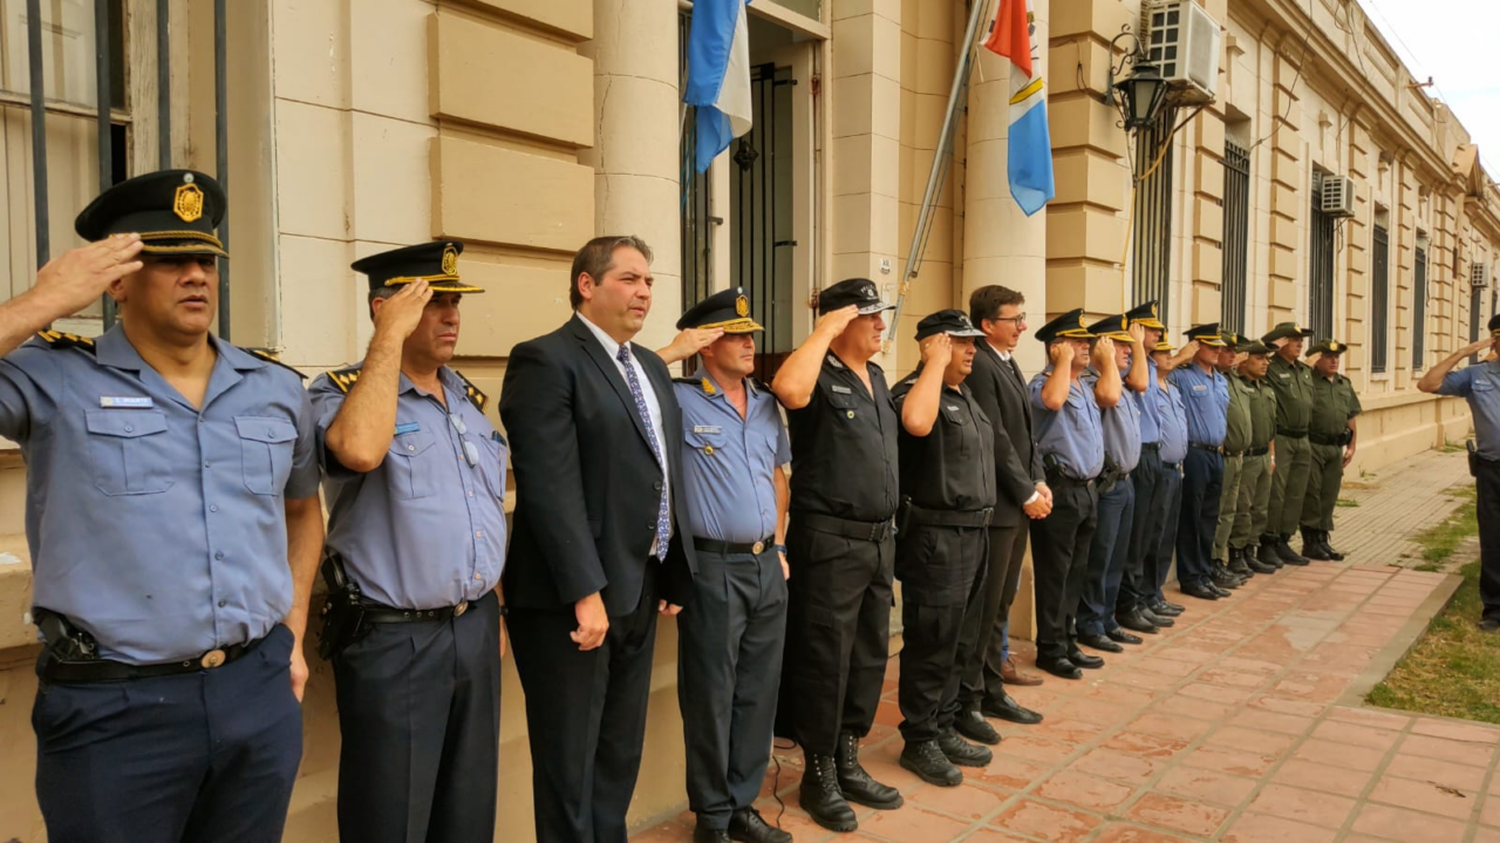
{"points": [[450, 260], [742, 306], [187, 203]]}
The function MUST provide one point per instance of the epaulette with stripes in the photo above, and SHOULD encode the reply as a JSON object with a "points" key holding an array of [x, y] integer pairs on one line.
{"points": [[344, 379], [271, 358], [474, 393], [63, 339]]}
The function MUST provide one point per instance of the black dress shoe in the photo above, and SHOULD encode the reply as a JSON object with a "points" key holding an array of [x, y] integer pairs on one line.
{"points": [[856, 784], [1219, 591], [972, 725], [1163, 609], [926, 759], [963, 753], [1081, 659], [1097, 642], [1156, 619], [1137, 621], [820, 795], [704, 834], [1203, 591], [1006, 708], [749, 826], [1120, 636], [1058, 667]]}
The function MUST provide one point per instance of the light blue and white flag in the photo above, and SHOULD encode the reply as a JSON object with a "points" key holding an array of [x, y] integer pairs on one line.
{"points": [[718, 78], [1029, 148]]}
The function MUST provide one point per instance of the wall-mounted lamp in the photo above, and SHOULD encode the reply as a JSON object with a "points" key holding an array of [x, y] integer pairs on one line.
{"points": [[1139, 96]]}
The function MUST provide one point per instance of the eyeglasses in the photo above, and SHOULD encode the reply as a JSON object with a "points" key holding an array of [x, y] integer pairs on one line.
{"points": [[471, 452], [1014, 320]]}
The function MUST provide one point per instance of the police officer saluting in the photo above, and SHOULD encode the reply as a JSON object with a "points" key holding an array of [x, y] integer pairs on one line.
{"points": [[174, 527], [1136, 608], [415, 478], [1331, 430], [1070, 438], [732, 630], [1174, 449], [1480, 385], [1205, 397], [947, 458], [841, 549], [1291, 380]]}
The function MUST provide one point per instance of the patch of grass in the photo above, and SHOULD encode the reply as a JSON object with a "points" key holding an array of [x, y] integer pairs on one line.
{"points": [[1452, 447], [1345, 503], [1429, 567], [1439, 541]]}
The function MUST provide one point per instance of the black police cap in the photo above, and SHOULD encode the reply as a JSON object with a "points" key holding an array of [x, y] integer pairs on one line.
{"points": [[1112, 327], [1069, 325], [1145, 315], [727, 309], [1207, 334], [174, 211], [1495, 324], [860, 291], [436, 263], [954, 323]]}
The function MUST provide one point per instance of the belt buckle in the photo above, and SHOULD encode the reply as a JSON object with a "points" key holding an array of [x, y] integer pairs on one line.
{"points": [[211, 659], [757, 548], [463, 606]]}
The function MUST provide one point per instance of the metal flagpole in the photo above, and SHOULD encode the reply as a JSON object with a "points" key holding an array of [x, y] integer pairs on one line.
{"points": [[940, 159]]}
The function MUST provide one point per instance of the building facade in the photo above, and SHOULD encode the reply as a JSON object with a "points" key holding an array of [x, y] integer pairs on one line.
{"points": [[524, 127]]}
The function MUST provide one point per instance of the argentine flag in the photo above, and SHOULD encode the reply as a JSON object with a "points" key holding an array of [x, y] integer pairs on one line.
{"points": [[718, 77], [1029, 147]]}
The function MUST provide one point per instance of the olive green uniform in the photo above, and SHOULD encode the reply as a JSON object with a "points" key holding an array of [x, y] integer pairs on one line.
{"points": [[1334, 404], [1255, 474], [1236, 442], [1292, 383]]}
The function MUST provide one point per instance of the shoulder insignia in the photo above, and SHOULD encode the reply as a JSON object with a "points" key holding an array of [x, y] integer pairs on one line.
{"points": [[344, 379], [63, 339], [267, 356], [472, 392], [708, 387]]}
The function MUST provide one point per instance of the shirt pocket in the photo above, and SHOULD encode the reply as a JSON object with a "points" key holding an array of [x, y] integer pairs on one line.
{"points": [[130, 451], [266, 446], [412, 465], [707, 443], [1483, 385], [842, 403]]}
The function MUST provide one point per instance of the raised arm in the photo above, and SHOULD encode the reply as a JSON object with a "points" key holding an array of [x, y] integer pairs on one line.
{"points": [[68, 283], [1108, 388], [920, 408], [1055, 390], [798, 376], [1433, 379]]}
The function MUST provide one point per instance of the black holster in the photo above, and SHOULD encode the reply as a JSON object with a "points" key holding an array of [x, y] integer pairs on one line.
{"points": [[343, 613], [63, 641], [1473, 458]]}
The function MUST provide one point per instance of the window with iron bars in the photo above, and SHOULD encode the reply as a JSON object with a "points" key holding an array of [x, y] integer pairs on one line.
{"points": [[1419, 311], [1152, 246], [1236, 244], [1320, 264], [695, 211], [1380, 300]]}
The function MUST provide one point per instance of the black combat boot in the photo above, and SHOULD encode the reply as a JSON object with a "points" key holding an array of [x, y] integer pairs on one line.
{"points": [[1328, 548], [1289, 556], [1310, 547], [1221, 577], [926, 759], [856, 784], [1255, 563], [821, 797], [1237, 564], [1268, 554]]}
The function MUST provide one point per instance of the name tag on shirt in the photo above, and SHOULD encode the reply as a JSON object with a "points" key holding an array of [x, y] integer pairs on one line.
{"points": [[132, 402], [707, 428], [952, 409], [1285, 376], [1198, 387], [408, 427], [842, 390]]}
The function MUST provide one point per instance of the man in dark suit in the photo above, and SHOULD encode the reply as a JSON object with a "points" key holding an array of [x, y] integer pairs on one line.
{"points": [[597, 549], [1000, 390]]}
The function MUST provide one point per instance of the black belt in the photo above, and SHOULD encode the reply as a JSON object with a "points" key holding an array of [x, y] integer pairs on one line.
{"points": [[105, 670], [1320, 439], [949, 517], [1063, 481], [1234, 454], [1291, 434], [870, 531], [1151, 446], [1217, 449], [376, 613], [716, 546], [1257, 452]]}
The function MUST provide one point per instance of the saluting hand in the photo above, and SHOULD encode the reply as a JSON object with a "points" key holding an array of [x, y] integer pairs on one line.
{"points": [[1104, 349], [1061, 354], [77, 278], [833, 323], [690, 341], [399, 315], [937, 350], [1137, 333], [593, 622]]}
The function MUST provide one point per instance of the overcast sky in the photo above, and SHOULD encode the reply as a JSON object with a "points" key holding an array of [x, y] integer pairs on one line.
{"points": [[1457, 43]]}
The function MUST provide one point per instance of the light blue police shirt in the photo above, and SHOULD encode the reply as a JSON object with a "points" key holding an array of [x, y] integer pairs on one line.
{"points": [[1122, 426], [1074, 436], [426, 528], [157, 527], [1174, 430], [1148, 405], [1205, 395], [1480, 385], [728, 462]]}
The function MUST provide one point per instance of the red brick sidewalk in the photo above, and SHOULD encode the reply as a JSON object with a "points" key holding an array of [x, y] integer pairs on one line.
{"points": [[1228, 727]]}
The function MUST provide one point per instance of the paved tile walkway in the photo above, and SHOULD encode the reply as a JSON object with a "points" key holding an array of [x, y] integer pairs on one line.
{"points": [[1242, 724]]}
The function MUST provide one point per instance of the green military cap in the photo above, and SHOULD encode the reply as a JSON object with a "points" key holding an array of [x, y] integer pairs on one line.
{"points": [[1328, 347], [1207, 334], [1069, 325], [174, 211], [1112, 327], [1284, 330], [1231, 339], [1253, 347]]}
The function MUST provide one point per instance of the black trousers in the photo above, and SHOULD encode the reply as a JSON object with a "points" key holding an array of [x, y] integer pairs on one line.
{"points": [[730, 640], [1166, 546], [585, 715], [942, 591], [1488, 483], [985, 653], [1060, 557], [838, 630], [419, 712], [209, 755], [1137, 580], [1202, 486]]}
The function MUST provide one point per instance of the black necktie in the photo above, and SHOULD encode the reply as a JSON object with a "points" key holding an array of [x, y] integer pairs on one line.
{"points": [[1016, 370]]}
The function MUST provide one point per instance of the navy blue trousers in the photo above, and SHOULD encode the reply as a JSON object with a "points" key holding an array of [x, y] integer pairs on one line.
{"points": [[209, 755], [1170, 481], [1137, 583], [1108, 553], [1202, 486]]}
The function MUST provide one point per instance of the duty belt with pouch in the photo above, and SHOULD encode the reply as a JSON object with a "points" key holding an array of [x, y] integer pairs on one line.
{"points": [[70, 655], [1340, 440], [1110, 476], [344, 612], [910, 515]]}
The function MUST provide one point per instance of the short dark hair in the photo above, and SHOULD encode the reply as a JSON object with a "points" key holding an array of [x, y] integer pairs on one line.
{"points": [[597, 257], [380, 293], [985, 303]]}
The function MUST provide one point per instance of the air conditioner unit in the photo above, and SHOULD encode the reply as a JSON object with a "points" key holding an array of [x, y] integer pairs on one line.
{"points": [[1338, 196], [1183, 42], [1479, 276]]}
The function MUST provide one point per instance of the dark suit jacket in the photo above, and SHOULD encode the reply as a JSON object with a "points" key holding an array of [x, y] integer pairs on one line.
{"points": [[587, 483], [1018, 466]]}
